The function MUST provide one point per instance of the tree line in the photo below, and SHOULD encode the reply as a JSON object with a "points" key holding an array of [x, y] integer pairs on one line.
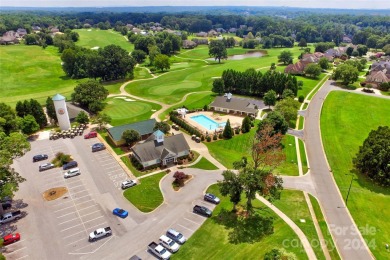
{"points": [[254, 83]]}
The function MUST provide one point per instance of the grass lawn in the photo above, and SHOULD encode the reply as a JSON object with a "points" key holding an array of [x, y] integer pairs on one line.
{"points": [[127, 112], [324, 229], [90, 38], [32, 72], [137, 173], [104, 134], [204, 164], [290, 165], [293, 204], [319, 84], [308, 84], [346, 121], [302, 152], [301, 122], [305, 105], [233, 239], [146, 196]]}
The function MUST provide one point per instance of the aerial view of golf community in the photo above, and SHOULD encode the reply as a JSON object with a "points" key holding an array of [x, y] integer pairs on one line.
{"points": [[195, 132]]}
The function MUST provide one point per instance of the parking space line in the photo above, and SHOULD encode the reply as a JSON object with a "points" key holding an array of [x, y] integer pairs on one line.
{"points": [[62, 203], [67, 221], [109, 163], [119, 169], [192, 221], [21, 257], [75, 241], [71, 227], [93, 219], [77, 180], [66, 214], [75, 186], [90, 213], [83, 202], [74, 234], [111, 167], [78, 192], [98, 225], [186, 228], [64, 208], [81, 197], [15, 251], [88, 207]]}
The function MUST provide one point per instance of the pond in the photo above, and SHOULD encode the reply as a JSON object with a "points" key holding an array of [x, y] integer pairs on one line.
{"points": [[249, 54]]}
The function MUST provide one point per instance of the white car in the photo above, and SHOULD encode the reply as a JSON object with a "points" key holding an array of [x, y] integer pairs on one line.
{"points": [[46, 166], [72, 172], [128, 183], [169, 244]]}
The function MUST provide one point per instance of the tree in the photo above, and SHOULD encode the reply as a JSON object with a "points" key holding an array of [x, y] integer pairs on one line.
{"points": [[162, 62], [285, 57], [138, 55], [313, 70], [324, 63], [302, 43], [102, 119], [38, 113], [162, 126], [227, 131], [90, 95], [218, 86], [11, 147], [386, 49], [347, 73], [373, 158], [278, 254], [217, 49], [349, 51], [270, 98], [180, 177], [29, 125], [131, 136], [246, 125], [51, 110], [362, 50], [153, 52], [288, 108], [231, 186], [82, 118], [288, 93], [276, 120], [9, 122]]}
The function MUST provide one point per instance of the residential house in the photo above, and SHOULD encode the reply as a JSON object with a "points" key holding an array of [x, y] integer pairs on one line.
{"points": [[36, 28], [10, 37], [220, 30], [201, 34], [144, 128], [200, 41], [212, 33], [228, 104], [159, 149], [21, 32], [297, 69], [346, 39], [380, 65], [187, 44], [233, 30], [375, 78]]}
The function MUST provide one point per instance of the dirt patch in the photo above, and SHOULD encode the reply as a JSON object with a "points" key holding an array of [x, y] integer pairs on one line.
{"points": [[54, 193]]}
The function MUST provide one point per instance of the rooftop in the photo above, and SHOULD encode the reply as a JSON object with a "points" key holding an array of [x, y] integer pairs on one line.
{"points": [[143, 128]]}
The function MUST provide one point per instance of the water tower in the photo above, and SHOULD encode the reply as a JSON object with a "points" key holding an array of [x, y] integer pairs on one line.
{"points": [[61, 111]]}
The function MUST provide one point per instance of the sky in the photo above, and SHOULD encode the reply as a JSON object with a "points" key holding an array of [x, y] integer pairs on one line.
{"points": [[339, 4]]}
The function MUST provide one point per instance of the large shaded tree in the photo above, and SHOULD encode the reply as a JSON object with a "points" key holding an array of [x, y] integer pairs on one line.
{"points": [[231, 186], [90, 95], [162, 126], [161, 62], [9, 122], [51, 110], [29, 125], [373, 157], [217, 49], [131, 136], [276, 120], [312, 70], [346, 73], [285, 57], [270, 98]]}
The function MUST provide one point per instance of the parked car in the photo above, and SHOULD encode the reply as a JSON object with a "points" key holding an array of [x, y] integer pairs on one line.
{"points": [[69, 165], [211, 198], [6, 205], [98, 147], [10, 216], [128, 183], [72, 173], [120, 213], [99, 233], [11, 238], [46, 166], [40, 157], [90, 135], [176, 236], [201, 210], [159, 251], [169, 244]]}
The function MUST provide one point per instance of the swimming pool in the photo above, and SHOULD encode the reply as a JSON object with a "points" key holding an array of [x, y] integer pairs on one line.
{"points": [[207, 123]]}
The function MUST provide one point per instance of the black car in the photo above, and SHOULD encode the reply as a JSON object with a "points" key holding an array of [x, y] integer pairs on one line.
{"points": [[40, 157], [211, 198], [69, 165], [6, 205], [98, 147], [201, 210]]}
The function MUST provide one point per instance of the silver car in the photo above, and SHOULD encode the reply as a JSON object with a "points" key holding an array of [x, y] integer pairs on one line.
{"points": [[46, 166], [128, 183]]}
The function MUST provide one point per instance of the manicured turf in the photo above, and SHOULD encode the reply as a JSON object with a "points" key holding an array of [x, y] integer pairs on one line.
{"points": [[308, 84], [301, 122], [32, 72], [229, 151], [346, 121], [319, 84], [127, 112], [324, 229], [137, 173], [302, 152], [293, 204], [204, 164], [146, 196], [90, 38], [220, 237]]}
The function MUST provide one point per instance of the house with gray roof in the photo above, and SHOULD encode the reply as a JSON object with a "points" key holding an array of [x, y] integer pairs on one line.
{"points": [[228, 104], [144, 128], [159, 149]]}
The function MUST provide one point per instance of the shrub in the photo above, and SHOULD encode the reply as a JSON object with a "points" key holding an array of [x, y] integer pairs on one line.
{"points": [[215, 137], [61, 159], [180, 177], [202, 138], [237, 131], [208, 138], [205, 108], [350, 87], [301, 98]]}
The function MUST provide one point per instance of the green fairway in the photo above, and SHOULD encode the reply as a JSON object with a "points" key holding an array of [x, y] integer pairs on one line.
{"points": [[90, 38], [293, 204], [346, 121], [146, 196], [229, 151], [32, 72], [127, 112], [233, 239], [204, 164]]}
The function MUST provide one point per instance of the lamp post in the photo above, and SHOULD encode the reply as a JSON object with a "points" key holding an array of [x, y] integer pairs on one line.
{"points": [[349, 190]]}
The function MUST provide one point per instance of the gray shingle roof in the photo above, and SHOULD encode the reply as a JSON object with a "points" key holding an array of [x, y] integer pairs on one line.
{"points": [[151, 150], [143, 128], [237, 104]]}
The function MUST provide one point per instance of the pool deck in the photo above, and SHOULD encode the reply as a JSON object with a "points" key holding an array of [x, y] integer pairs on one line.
{"points": [[219, 118]]}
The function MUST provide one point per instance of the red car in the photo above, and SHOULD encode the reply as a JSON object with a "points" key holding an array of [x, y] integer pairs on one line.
{"points": [[90, 135], [11, 238]]}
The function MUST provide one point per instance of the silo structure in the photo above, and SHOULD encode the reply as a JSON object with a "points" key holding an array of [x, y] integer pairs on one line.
{"points": [[61, 111]]}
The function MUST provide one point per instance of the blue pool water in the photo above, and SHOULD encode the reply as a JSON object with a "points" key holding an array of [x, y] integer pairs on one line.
{"points": [[207, 122]]}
